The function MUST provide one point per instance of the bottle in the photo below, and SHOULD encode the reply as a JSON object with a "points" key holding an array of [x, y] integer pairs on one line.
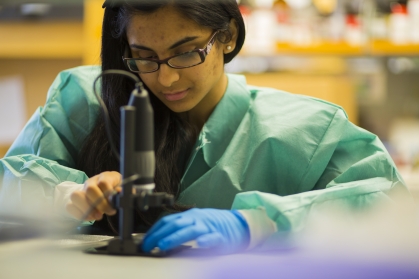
{"points": [[283, 26], [353, 31], [261, 31], [399, 24], [413, 11]]}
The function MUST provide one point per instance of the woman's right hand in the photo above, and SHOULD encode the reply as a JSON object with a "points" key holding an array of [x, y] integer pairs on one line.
{"points": [[95, 193]]}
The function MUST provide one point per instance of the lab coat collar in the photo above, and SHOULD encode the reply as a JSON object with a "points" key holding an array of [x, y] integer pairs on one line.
{"points": [[225, 119]]}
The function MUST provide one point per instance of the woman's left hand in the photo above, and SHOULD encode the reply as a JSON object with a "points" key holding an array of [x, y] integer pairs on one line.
{"points": [[211, 228]]}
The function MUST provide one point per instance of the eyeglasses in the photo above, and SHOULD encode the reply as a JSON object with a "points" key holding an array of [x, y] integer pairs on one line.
{"points": [[179, 61]]}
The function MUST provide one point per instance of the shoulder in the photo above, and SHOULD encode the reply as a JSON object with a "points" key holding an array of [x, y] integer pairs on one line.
{"points": [[71, 99], [65, 120], [75, 79], [73, 88], [270, 101], [273, 108], [279, 106], [282, 100], [279, 115]]}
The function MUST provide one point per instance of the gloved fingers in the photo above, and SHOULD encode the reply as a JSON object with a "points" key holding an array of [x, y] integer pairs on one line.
{"points": [[181, 236], [162, 222], [165, 228], [210, 240]]}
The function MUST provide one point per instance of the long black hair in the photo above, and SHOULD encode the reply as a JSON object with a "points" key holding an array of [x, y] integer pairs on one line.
{"points": [[172, 133]]}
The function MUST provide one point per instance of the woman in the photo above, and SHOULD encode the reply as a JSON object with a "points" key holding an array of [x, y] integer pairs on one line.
{"points": [[249, 157]]}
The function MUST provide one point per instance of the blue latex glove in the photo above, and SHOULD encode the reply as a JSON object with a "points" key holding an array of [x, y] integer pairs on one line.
{"points": [[225, 230]]}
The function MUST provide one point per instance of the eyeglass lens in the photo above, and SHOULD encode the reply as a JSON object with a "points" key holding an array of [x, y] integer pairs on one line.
{"points": [[184, 60]]}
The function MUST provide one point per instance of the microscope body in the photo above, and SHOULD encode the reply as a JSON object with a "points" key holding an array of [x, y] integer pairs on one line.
{"points": [[137, 160]]}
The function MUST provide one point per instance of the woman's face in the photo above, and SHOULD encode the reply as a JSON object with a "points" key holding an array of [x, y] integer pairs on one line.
{"points": [[165, 33]]}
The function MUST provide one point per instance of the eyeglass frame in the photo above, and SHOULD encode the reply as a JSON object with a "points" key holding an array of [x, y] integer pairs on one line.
{"points": [[203, 53]]}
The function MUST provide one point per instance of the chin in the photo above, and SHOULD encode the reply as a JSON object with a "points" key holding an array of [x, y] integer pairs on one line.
{"points": [[179, 108]]}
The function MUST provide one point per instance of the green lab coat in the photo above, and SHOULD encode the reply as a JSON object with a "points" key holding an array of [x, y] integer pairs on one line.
{"points": [[260, 148]]}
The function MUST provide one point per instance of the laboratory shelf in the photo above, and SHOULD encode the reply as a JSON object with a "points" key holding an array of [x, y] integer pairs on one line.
{"points": [[374, 48], [41, 40], [385, 48], [321, 48], [67, 40]]}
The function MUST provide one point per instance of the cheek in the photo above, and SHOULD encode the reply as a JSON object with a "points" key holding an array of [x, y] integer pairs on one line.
{"points": [[217, 64], [147, 80], [212, 67]]}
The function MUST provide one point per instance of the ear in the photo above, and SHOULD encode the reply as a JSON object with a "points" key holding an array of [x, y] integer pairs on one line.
{"points": [[234, 31]]}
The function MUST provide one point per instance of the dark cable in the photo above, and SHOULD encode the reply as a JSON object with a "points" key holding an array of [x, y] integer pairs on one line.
{"points": [[138, 84]]}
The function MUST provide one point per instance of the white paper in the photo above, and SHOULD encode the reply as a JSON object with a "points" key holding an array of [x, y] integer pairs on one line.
{"points": [[12, 108]]}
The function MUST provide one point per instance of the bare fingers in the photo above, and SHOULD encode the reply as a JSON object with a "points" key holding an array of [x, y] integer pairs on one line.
{"points": [[80, 208], [98, 189], [92, 202]]}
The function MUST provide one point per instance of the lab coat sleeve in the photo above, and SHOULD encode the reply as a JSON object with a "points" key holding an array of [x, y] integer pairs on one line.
{"points": [[350, 167], [44, 154]]}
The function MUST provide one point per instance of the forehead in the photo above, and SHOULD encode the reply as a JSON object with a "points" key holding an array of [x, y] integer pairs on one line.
{"points": [[162, 27]]}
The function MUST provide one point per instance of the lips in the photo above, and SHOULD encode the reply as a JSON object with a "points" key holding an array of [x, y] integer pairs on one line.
{"points": [[175, 96]]}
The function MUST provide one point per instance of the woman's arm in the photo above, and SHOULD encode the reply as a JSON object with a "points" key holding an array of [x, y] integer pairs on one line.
{"points": [[359, 173], [45, 153]]}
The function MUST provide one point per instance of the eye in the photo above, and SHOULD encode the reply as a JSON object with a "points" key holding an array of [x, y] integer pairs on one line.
{"points": [[150, 57], [147, 55], [184, 49]]}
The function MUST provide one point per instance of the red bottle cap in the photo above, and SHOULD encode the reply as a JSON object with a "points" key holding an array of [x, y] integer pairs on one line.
{"points": [[397, 8]]}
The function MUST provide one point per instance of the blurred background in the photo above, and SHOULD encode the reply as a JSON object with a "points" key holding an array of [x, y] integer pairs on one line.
{"points": [[360, 54]]}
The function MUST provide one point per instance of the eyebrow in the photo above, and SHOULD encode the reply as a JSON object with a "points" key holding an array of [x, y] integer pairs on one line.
{"points": [[175, 45]]}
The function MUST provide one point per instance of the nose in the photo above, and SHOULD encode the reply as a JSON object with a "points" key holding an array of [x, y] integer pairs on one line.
{"points": [[167, 76]]}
